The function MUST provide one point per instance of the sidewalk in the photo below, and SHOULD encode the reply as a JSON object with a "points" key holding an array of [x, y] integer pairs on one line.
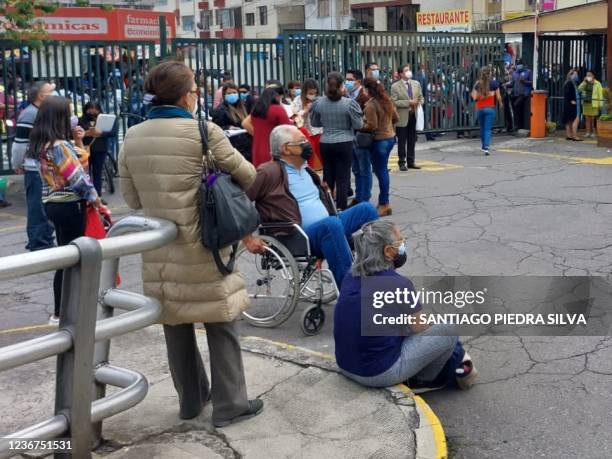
{"points": [[310, 410]]}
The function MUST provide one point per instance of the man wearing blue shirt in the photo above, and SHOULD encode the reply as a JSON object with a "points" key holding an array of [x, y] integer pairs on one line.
{"points": [[287, 190]]}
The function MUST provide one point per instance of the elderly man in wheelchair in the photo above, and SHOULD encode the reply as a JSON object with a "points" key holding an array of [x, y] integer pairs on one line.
{"points": [[301, 227]]}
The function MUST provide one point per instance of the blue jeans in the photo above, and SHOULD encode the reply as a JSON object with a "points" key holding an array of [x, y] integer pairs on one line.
{"points": [[485, 120], [362, 169], [40, 231], [329, 237], [380, 159]]}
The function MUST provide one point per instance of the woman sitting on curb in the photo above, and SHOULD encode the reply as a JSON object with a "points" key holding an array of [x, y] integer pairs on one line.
{"points": [[427, 358]]}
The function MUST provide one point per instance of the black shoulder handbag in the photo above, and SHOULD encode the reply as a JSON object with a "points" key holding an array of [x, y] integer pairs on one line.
{"points": [[226, 213]]}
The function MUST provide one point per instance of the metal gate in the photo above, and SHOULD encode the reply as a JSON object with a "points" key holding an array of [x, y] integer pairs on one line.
{"points": [[446, 65], [111, 73], [557, 55], [249, 61]]}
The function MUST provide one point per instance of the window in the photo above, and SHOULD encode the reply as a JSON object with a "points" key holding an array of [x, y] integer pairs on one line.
{"points": [[188, 23], [364, 18], [344, 7], [402, 18], [323, 8], [161, 2], [229, 18], [186, 1], [206, 19], [250, 19], [263, 15]]}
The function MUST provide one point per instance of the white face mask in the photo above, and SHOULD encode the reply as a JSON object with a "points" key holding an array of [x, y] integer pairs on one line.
{"points": [[311, 97], [408, 74]]}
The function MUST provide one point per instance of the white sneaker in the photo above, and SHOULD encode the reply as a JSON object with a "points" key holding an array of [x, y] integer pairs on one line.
{"points": [[53, 320]]}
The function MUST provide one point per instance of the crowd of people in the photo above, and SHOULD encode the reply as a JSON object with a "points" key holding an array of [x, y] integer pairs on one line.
{"points": [[268, 146], [162, 178]]}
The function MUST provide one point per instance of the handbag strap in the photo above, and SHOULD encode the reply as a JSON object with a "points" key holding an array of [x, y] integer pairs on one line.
{"points": [[228, 268], [208, 157]]}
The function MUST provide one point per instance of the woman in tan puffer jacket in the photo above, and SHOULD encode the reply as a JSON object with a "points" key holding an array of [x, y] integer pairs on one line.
{"points": [[160, 166]]}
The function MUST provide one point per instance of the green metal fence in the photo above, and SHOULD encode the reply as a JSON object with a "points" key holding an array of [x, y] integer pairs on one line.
{"points": [[446, 65], [111, 73], [250, 61]]}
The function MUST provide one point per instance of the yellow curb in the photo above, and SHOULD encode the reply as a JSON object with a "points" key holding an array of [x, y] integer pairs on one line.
{"points": [[426, 166], [429, 422], [607, 161], [6, 331]]}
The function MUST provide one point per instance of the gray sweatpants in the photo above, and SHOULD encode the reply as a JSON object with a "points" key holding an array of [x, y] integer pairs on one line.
{"points": [[423, 356], [228, 389]]}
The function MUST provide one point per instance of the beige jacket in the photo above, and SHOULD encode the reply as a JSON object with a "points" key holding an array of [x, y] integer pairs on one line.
{"points": [[160, 165], [399, 96]]}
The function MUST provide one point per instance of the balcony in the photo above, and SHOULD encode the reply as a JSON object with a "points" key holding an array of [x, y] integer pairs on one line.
{"points": [[204, 6], [486, 23], [205, 34]]}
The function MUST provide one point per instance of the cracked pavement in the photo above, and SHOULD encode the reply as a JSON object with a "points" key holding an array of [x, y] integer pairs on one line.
{"points": [[529, 210]]}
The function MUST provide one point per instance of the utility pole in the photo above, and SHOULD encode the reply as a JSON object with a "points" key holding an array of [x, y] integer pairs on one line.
{"points": [[609, 50], [536, 45]]}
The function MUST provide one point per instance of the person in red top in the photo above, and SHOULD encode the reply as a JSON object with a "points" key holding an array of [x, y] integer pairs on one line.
{"points": [[267, 114], [485, 91]]}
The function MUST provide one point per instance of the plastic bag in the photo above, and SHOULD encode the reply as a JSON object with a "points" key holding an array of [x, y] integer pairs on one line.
{"points": [[97, 224], [420, 119]]}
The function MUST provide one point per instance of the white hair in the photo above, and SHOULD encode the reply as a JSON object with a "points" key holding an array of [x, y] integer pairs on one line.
{"points": [[280, 136], [370, 242]]}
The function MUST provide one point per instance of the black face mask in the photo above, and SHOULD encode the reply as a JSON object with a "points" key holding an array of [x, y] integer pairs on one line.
{"points": [[400, 260], [90, 116], [306, 151]]}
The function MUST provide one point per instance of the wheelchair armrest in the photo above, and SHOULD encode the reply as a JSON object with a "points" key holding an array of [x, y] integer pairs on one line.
{"points": [[279, 225]]}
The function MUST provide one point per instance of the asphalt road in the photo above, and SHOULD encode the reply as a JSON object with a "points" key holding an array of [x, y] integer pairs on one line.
{"points": [[534, 207]]}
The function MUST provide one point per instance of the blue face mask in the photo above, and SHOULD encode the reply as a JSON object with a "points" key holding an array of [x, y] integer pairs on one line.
{"points": [[232, 98], [297, 92], [244, 96], [349, 85], [376, 74]]}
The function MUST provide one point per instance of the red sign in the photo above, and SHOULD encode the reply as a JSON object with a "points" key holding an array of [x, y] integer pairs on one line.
{"points": [[96, 24]]}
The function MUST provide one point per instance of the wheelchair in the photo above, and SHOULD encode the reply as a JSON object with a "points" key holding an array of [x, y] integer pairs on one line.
{"points": [[284, 275]]}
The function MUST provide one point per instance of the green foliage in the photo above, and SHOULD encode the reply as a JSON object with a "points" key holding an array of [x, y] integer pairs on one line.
{"points": [[607, 95]]}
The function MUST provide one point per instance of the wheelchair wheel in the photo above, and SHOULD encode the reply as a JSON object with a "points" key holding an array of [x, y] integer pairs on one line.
{"points": [[313, 319], [272, 282], [310, 292]]}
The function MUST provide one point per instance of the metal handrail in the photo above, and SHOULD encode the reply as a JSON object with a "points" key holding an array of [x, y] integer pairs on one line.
{"points": [[87, 273], [41, 261]]}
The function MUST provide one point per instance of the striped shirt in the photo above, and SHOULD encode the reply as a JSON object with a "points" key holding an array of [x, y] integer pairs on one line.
{"points": [[338, 119], [25, 122], [62, 169]]}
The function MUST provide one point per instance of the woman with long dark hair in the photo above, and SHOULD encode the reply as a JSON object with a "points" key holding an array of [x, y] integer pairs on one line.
{"points": [[485, 92], [267, 114], [97, 141], [229, 116], [339, 117], [380, 115], [67, 189]]}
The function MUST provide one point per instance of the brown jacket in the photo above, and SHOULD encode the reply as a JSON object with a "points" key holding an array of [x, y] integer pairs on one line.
{"points": [[272, 197], [376, 120], [160, 165]]}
